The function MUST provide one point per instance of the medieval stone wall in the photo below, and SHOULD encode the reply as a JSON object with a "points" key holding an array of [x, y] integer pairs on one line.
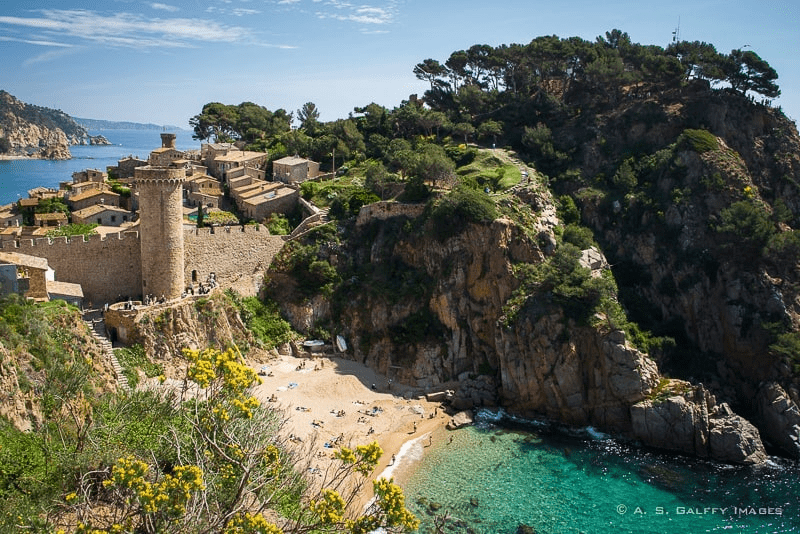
{"points": [[238, 255], [108, 268]]}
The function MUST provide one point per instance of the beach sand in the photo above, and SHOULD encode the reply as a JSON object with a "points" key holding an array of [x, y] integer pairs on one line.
{"points": [[314, 400]]}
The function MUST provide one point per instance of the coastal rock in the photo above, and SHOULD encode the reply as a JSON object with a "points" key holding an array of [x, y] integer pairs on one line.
{"points": [[693, 423], [779, 418], [459, 420], [38, 132]]}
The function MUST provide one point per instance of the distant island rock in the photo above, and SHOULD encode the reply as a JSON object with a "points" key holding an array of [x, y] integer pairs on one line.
{"points": [[31, 131]]}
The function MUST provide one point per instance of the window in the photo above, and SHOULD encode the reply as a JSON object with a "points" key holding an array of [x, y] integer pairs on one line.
{"points": [[113, 218]]}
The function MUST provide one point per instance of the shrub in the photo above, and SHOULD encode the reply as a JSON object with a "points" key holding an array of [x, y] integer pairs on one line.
{"points": [[461, 206], [698, 140]]}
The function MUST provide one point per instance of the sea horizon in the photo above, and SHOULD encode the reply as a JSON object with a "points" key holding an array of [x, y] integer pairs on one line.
{"points": [[18, 176]]}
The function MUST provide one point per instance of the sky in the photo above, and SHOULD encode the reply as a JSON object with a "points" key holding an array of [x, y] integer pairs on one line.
{"points": [[161, 61]]}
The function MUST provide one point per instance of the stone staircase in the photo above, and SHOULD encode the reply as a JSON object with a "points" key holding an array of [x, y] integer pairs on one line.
{"points": [[97, 326]]}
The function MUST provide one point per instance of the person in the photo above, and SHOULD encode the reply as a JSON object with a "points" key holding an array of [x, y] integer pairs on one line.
{"points": [[393, 459]]}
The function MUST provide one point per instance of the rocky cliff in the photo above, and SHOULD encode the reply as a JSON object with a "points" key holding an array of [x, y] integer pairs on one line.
{"points": [[38, 132], [429, 313]]}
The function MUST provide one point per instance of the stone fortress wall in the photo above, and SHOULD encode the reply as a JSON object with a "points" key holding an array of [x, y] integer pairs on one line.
{"points": [[238, 255], [108, 268]]}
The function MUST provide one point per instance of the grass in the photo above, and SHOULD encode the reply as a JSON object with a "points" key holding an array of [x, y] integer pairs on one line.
{"points": [[133, 359], [490, 171]]}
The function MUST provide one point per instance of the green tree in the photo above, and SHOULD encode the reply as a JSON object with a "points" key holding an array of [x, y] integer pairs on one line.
{"points": [[464, 129], [746, 71], [308, 116]]}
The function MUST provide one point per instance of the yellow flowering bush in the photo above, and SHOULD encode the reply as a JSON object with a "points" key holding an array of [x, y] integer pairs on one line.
{"points": [[330, 508], [250, 524]]}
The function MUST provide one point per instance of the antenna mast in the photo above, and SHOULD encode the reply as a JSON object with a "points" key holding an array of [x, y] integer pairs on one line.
{"points": [[676, 33]]}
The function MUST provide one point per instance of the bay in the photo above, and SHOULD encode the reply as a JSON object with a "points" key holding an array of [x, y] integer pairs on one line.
{"points": [[490, 479], [20, 175]]}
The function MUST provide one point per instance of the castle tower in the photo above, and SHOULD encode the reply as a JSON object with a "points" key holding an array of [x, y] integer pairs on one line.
{"points": [[167, 140], [161, 229]]}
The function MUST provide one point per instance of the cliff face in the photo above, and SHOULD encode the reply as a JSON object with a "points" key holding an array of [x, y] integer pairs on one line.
{"points": [[37, 132], [427, 313], [710, 247]]}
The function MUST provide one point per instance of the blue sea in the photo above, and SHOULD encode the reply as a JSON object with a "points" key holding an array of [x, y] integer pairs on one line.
{"points": [[490, 479], [18, 176]]}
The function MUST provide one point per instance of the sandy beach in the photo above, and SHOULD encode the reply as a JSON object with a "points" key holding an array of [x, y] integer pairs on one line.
{"points": [[333, 400]]}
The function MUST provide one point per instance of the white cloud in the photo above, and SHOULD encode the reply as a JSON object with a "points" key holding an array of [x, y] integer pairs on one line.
{"points": [[240, 12], [282, 2], [165, 7], [39, 42], [128, 30], [362, 14]]}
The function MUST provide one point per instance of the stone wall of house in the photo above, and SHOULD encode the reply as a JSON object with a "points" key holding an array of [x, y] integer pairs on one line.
{"points": [[108, 268], [238, 255]]}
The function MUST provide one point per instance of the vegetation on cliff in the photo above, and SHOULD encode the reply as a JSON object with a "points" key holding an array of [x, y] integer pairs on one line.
{"points": [[209, 458]]}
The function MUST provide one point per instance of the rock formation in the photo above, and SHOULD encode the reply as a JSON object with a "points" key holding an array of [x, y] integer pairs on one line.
{"points": [[37, 132], [693, 423], [440, 326]]}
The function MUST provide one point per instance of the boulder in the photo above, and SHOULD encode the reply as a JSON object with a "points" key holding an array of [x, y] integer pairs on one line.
{"points": [[691, 422], [459, 420]]}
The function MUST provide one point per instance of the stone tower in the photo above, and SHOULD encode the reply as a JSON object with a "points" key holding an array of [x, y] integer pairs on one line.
{"points": [[167, 140], [161, 229]]}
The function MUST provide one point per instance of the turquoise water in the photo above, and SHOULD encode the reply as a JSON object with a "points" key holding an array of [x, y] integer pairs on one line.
{"points": [[18, 176], [492, 479]]}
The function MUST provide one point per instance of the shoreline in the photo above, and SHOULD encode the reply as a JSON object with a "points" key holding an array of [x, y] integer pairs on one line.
{"points": [[330, 402]]}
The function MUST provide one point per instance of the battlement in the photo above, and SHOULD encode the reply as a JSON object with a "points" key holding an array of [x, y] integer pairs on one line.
{"points": [[73, 242]]}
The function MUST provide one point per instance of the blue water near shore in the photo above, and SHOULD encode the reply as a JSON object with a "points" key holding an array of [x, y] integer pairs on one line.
{"points": [[491, 479], [18, 176]]}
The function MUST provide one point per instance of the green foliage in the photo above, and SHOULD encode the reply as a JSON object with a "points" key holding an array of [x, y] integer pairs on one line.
{"points": [[787, 346], [5, 145], [415, 190], [133, 359], [120, 189], [747, 226], [278, 224], [568, 211], [698, 140], [52, 205], [73, 230], [580, 236], [450, 214]]}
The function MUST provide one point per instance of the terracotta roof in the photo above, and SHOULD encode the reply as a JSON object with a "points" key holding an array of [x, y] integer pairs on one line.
{"points": [[91, 193], [28, 202], [97, 208], [57, 216]]}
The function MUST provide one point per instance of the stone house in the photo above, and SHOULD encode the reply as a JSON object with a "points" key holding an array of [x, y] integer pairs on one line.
{"points": [[24, 275], [50, 219], [294, 169], [89, 175], [125, 167], [235, 162], [166, 157], [9, 216], [258, 199], [203, 190], [102, 215], [91, 197]]}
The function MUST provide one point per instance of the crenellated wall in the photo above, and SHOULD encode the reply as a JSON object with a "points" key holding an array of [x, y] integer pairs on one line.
{"points": [[107, 268], [110, 268], [238, 255]]}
